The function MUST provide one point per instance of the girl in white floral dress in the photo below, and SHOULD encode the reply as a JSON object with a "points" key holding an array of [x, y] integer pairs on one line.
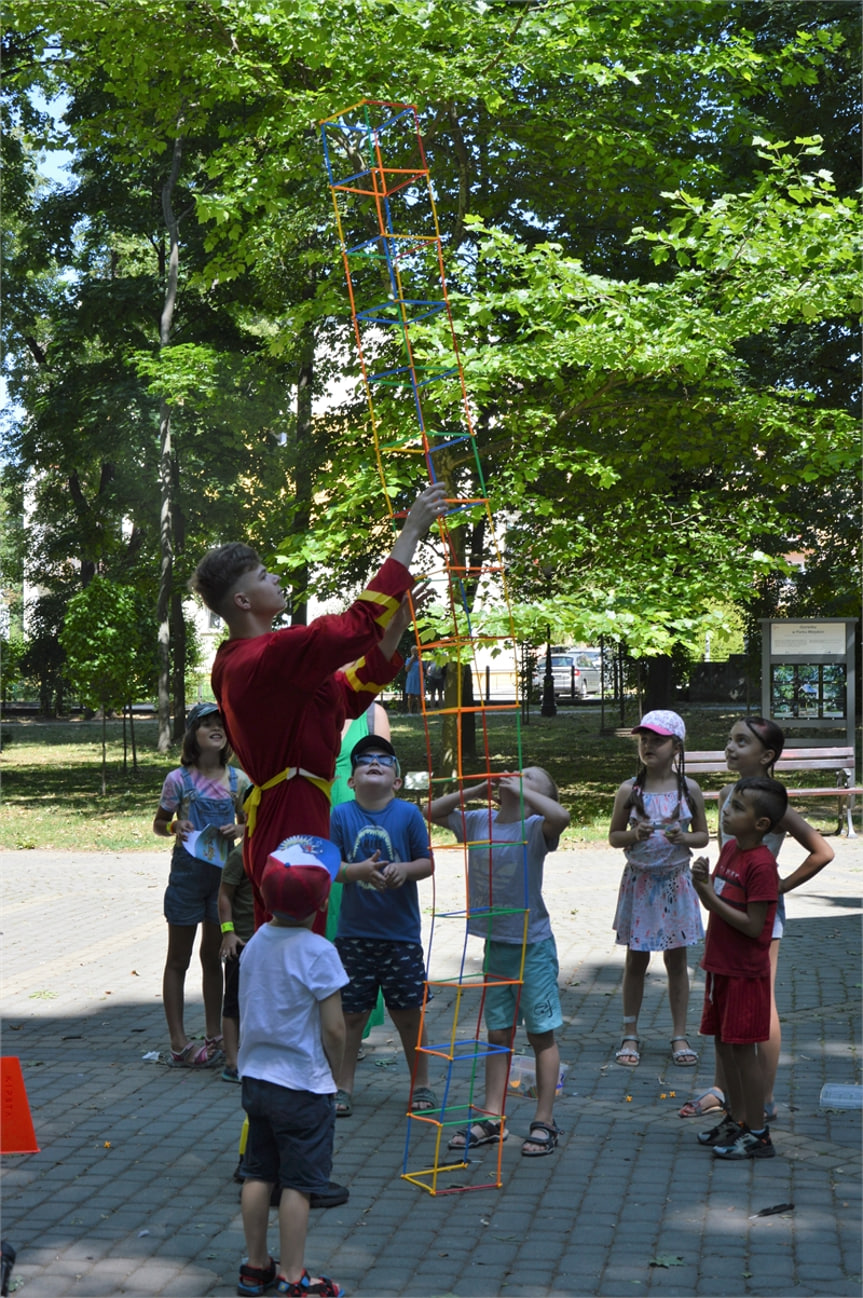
{"points": [[658, 819]]}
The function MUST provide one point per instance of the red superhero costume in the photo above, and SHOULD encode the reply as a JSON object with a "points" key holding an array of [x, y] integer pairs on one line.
{"points": [[284, 701]]}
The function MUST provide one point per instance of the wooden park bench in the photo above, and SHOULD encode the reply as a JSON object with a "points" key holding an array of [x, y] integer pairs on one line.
{"points": [[839, 759]]}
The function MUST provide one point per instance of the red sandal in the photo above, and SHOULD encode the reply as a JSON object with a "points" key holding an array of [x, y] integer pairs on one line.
{"points": [[193, 1055]]}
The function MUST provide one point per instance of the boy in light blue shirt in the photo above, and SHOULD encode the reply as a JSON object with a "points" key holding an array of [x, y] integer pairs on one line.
{"points": [[505, 868]]}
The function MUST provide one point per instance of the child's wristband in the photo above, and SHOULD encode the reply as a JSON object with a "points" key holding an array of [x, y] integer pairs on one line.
{"points": [[227, 927], [172, 828]]}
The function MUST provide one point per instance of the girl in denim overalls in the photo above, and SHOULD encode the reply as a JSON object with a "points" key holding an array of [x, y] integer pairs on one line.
{"points": [[203, 794]]}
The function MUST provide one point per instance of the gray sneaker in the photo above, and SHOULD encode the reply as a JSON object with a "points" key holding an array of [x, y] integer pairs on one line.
{"points": [[724, 1133], [747, 1145]]}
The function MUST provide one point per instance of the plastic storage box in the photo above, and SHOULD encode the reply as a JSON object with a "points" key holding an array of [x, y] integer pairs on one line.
{"points": [[522, 1075]]}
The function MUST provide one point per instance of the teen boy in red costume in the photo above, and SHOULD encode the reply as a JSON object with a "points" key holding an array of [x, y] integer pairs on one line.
{"points": [[281, 694]]}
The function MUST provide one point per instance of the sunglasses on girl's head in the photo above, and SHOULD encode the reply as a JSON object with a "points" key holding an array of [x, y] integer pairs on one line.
{"points": [[379, 759]]}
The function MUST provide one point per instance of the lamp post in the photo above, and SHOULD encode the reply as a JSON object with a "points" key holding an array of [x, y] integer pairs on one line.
{"points": [[549, 707]]}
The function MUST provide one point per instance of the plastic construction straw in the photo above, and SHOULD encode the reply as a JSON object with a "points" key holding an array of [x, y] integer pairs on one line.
{"points": [[392, 254]]}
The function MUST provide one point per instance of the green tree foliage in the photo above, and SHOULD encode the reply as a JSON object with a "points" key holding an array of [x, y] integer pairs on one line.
{"points": [[649, 218], [109, 642]]}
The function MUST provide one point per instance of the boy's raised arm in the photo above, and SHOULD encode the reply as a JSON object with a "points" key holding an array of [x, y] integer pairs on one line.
{"points": [[440, 809], [554, 816]]}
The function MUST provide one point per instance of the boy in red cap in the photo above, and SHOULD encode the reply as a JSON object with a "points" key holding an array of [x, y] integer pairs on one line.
{"points": [[291, 1047]]}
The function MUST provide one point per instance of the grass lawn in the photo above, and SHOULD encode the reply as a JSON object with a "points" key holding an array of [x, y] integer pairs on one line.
{"points": [[51, 773]]}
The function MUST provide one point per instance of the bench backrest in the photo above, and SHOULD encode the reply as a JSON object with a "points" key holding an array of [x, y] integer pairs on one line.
{"points": [[793, 759]]}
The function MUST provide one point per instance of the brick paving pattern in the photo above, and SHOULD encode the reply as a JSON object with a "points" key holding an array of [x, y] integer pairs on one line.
{"points": [[132, 1191]]}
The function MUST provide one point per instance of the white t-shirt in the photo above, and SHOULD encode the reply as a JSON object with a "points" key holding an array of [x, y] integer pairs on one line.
{"points": [[284, 973]]}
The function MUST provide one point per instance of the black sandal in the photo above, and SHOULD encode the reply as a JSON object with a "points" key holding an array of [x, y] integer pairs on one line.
{"points": [[492, 1132], [548, 1140]]}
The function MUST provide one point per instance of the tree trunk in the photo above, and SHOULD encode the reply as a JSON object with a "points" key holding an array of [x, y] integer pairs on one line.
{"points": [[458, 731], [659, 685], [132, 737], [104, 752], [177, 620], [166, 577], [166, 526], [178, 665]]}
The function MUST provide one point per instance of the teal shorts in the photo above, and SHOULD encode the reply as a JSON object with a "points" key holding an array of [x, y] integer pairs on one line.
{"points": [[538, 1007]]}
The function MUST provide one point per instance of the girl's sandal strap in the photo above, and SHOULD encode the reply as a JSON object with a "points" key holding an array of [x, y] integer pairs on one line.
{"points": [[193, 1055], [686, 1057], [699, 1107], [628, 1054]]}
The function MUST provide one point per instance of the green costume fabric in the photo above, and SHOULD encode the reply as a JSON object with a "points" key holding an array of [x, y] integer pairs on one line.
{"points": [[357, 730]]}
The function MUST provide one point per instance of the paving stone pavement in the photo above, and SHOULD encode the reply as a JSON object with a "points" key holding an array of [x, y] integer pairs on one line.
{"points": [[132, 1194]]}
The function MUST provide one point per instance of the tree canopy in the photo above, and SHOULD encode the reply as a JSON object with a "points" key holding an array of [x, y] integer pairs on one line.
{"points": [[652, 239]]}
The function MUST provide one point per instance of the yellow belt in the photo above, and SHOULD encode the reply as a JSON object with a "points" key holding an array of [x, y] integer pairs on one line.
{"points": [[253, 797]]}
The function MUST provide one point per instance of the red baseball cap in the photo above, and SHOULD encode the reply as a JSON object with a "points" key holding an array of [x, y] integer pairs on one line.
{"points": [[294, 891]]}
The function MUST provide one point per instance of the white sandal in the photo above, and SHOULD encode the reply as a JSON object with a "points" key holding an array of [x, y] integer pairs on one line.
{"points": [[684, 1058], [628, 1056]]}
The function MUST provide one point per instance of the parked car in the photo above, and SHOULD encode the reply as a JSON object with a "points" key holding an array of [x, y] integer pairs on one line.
{"points": [[589, 662], [576, 672], [566, 674]]}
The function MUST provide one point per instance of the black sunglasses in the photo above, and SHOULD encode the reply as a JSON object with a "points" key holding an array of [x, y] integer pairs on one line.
{"points": [[379, 759]]}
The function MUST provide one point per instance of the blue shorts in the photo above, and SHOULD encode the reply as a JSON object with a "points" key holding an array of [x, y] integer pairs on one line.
{"points": [[290, 1136], [397, 968], [539, 1004], [192, 894]]}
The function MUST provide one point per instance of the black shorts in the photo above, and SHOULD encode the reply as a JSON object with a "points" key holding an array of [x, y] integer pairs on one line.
{"points": [[290, 1136], [397, 968]]}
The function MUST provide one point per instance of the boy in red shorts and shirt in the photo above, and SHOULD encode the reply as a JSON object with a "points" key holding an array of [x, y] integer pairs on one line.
{"points": [[741, 898]]}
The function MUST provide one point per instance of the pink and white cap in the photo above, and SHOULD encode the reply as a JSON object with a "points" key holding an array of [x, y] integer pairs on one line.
{"points": [[662, 722]]}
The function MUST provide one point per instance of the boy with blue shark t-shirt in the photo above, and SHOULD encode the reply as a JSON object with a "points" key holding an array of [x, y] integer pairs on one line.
{"points": [[385, 850]]}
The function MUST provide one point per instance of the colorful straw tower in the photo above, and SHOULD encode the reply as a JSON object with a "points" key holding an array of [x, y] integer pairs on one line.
{"points": [[421, 417]]}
